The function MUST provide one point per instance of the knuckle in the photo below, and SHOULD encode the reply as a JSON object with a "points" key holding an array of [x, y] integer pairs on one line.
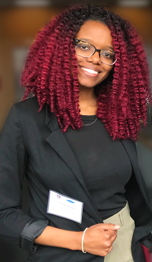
{"points": [[111, 225], [105, 253], [109, 237], [109, 250], [107, 244], [115, 236], [106, 236]]}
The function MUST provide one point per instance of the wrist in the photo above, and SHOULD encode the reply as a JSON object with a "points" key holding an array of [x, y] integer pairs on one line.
{"points": [[77, 243], [82, 242]]}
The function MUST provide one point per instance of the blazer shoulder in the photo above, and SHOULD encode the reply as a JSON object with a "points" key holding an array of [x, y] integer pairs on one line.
{"points": [[28, 110], [30, 104]]}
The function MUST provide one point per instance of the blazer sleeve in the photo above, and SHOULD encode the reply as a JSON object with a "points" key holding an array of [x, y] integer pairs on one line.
{"points": [[14, 224]]}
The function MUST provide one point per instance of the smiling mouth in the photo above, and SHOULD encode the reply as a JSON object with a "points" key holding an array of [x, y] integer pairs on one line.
{"points": [[89, 72]]}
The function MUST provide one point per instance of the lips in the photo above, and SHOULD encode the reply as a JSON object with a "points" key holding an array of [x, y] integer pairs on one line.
{"points": [[90, 71]]}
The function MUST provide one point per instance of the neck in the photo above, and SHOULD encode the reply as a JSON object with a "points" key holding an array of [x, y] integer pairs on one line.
{"points": [[87, 101]]}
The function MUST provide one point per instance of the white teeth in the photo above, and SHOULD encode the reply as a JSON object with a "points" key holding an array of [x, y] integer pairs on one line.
{"points": [[89, 70]]}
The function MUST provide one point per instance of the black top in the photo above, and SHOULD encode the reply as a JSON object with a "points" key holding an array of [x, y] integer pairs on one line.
{"points": [[104, 163]]}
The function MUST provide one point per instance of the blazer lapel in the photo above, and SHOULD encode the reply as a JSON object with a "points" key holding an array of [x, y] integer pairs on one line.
{"points": [[59, 143], [132, 154]]}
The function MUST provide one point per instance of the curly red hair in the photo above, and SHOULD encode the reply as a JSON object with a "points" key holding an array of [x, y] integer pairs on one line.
{"points": [[51, 73]]}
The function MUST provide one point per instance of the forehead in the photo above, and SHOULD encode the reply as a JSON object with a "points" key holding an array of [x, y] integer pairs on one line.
{"points": [[96, 32]]}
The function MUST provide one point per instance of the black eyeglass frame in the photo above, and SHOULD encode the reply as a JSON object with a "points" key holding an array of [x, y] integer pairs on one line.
{"points": [[76, 41]]}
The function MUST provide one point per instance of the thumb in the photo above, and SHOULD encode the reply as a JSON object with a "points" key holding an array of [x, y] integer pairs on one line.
{"points": [[110, 226]]}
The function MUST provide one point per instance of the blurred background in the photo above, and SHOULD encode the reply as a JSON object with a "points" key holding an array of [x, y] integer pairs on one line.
{"points": [[20, 20]]}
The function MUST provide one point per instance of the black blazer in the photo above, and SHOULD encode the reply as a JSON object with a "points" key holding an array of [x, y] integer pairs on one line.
{"points": [[32, 144]]}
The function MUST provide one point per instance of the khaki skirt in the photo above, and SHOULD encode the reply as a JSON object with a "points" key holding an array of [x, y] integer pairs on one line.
{"points": [[121, 251]]}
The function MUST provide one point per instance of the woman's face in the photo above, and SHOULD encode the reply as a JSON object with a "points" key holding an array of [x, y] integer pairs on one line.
{"points": [[99, 35]]}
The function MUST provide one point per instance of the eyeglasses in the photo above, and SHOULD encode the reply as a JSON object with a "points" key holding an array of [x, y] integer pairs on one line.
{"points": [[85, 49]]}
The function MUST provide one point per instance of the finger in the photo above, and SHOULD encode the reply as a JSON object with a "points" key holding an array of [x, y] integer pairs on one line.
{"points": [[110, 249], [114, 238], [111, 234], [110, 237], [109, 226]]}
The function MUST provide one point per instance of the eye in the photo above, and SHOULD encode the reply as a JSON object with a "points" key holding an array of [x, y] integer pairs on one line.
{"points": [[107, 54], [84, 47]]}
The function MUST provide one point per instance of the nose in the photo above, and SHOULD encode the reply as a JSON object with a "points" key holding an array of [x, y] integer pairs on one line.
{"points": [[95, 58]]}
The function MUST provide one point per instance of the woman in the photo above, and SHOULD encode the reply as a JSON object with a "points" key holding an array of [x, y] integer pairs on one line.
{"points": [[74, 142]]}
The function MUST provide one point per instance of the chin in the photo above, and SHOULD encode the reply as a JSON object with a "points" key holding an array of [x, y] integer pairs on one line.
{"points": [[85, 82], [88, 84]]}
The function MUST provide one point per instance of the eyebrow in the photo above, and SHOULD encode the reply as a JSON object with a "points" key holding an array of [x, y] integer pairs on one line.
{"points": [[110, 48], [85, 39]]}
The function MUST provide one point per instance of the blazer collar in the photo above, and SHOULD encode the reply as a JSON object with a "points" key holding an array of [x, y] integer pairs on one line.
{"points": [[51, 120]]}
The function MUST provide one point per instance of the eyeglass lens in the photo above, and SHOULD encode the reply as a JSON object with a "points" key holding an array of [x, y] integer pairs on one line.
{"points": [[86, 50]]}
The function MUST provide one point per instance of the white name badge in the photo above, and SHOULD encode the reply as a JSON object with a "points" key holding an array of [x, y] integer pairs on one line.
{"points": [[64, 206]]}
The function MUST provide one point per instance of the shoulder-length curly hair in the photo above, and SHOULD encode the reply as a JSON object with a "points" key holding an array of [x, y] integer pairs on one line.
{"points": [[51, 73]]}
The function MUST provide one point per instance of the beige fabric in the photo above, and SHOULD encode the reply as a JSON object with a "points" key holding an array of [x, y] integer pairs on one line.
{"points": [[121, 251]]}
